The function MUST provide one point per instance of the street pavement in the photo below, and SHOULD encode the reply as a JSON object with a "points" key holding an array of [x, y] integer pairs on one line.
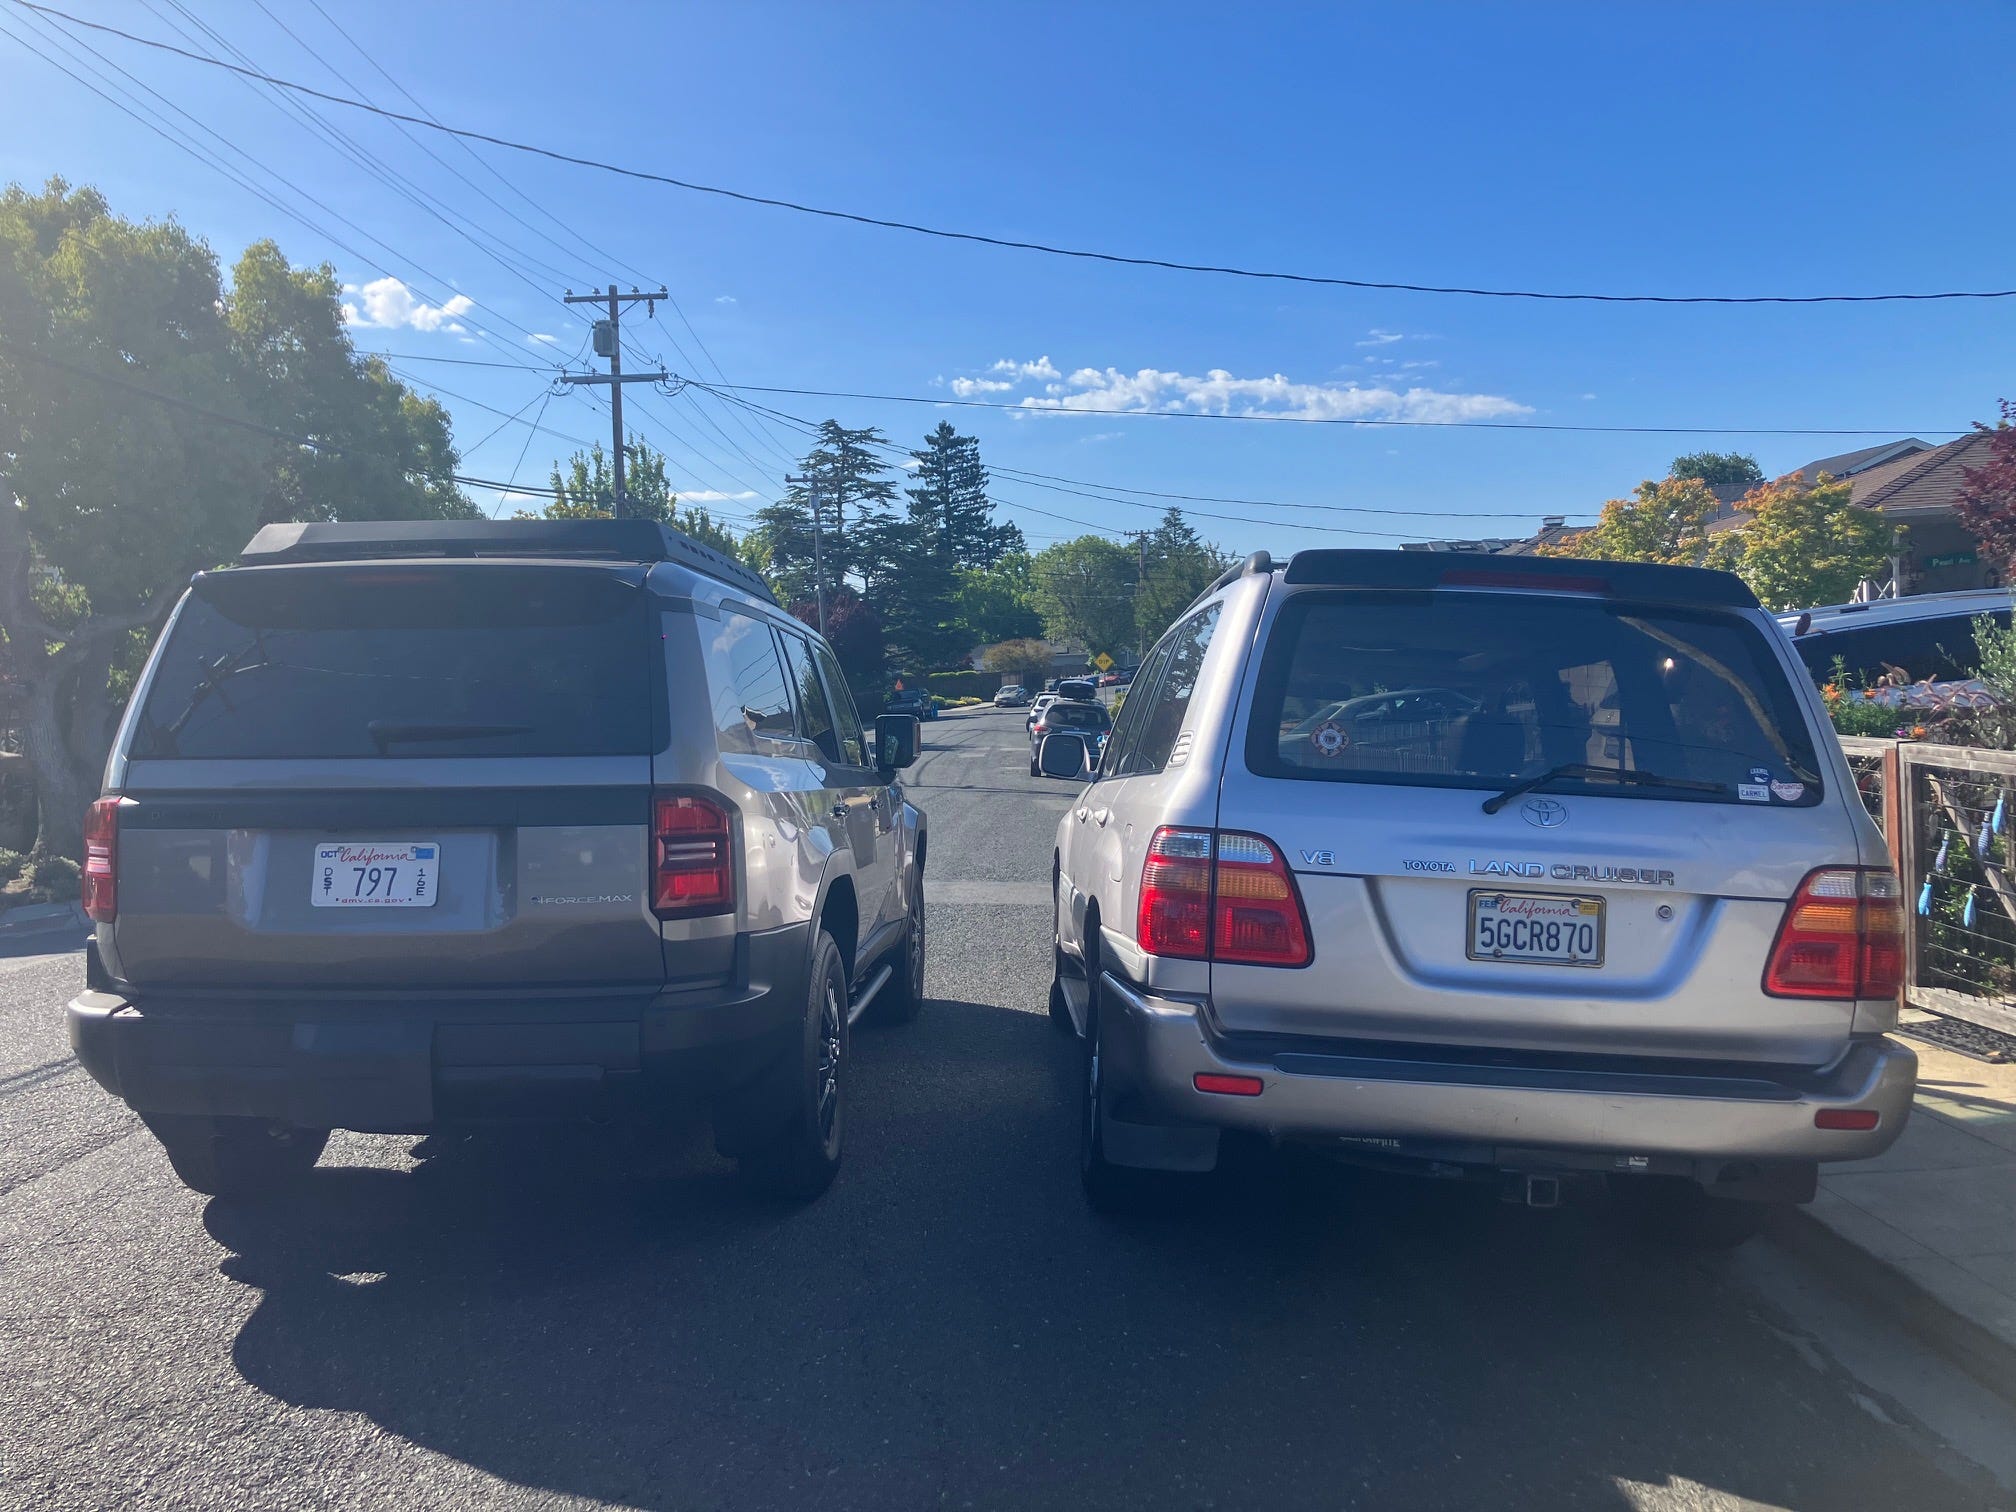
{"points": [[591, 1318]]}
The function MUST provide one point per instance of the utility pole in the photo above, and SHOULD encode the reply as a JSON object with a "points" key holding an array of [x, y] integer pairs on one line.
{"points": [[1140, 581], [818, 546], [609, 343]]}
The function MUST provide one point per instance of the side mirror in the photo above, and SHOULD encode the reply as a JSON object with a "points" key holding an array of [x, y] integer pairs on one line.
{"points": [[896, 741], [1061, 756]]}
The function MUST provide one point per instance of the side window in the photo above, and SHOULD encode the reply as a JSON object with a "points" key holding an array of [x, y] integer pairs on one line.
{"points": [[1133, 710], [1163, 719], [846, 718], [752, 698], [815, 715]]}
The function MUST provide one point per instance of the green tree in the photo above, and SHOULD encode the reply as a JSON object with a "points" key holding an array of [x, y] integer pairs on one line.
{"points": [[1027, 657], [847, 477], [1803, 546], [586, 490], [998, 603], [1179, 566], [136, 394], [949, 488], [1718, 469], [1085, 592], [1665, 522], [908, 574]]}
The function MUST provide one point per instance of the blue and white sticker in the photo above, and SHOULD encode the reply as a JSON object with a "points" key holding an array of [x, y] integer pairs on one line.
{"points": [[1760, 776], [1753, 792]]}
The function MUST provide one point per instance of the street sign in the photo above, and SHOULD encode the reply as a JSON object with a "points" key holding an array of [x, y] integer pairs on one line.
{"points": [[1103, 662]]}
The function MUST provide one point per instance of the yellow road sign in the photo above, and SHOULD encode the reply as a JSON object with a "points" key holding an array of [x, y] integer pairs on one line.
{"points": [[1103, 662]]}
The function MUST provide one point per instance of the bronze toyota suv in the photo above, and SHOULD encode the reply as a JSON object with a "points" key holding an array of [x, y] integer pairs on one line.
{"points": [[414, 823], [1541, 871]]}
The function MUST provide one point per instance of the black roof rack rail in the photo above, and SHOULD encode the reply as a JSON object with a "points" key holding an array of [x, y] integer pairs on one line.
{"points": [[1258, 562], [1351, 568], [581, 540]]}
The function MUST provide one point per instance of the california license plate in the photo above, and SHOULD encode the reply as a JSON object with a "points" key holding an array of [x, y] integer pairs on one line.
{"points": [[1542, 929], [375, 874]]}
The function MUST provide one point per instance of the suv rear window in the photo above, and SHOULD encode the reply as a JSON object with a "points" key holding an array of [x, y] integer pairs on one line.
{"points": [[1477, 690], [396, 661], [1075, 716]]}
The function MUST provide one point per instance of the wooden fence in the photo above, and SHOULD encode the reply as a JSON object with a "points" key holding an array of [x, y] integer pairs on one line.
{"points": [[1949, 813]]}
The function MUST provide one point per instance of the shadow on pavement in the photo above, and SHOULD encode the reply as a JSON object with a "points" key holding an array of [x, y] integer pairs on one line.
{"points": [[593, 1314]]}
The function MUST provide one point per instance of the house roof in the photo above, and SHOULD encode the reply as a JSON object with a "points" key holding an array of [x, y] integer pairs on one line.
{"points": [[1849, 464], [1488, 546], [1921, 481]]}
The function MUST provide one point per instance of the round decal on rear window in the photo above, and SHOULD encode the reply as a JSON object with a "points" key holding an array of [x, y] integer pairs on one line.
{"points": [[1330, 739]]}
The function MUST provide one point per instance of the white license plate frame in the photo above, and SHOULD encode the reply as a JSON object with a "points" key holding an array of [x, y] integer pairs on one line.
{"points": [[408, 874], [1577, 911]]}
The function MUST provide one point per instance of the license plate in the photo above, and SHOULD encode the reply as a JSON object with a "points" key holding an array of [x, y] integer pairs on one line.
{"points": [[375, 874], [1541, 929]]}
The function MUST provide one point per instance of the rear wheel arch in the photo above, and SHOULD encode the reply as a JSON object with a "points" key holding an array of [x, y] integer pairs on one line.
{"points": [[840, 916]]}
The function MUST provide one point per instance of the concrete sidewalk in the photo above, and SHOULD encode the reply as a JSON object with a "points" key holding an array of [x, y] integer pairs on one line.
{"points": [[1938, 1210]]}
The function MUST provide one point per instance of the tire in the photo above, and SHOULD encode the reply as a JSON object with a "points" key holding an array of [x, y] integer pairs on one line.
{"points": [[1034, 769], [1109, 1188], [237, 1157], [899, 1002], [800, 1161], [1678, 1213]]}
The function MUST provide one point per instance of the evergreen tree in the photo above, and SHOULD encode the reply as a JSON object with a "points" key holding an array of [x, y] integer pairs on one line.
{"points": [[1179, 565], [949, 488], [586, 490], [848, 479]]}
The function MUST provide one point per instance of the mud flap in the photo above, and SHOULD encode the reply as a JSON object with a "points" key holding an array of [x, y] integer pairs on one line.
{"points": [[1158, 1147]]}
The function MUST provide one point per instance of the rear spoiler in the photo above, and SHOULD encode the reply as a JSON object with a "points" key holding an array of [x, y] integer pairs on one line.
{"points": [[574, 540], [1340, 568]]}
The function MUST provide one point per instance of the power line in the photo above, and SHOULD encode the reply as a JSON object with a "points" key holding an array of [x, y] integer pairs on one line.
{"points": [[1503, 425], [1019, 245]]}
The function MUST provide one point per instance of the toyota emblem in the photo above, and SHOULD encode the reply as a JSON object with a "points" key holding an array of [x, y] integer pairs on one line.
{"points": [[1544, 813]]}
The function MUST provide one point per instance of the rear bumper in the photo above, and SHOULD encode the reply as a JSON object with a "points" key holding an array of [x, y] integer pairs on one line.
{"points": [[1158, 1046], [387, 1063]]}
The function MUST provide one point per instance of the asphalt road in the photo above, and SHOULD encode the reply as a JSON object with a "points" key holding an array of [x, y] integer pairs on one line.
{"points": [[591, 1319]]}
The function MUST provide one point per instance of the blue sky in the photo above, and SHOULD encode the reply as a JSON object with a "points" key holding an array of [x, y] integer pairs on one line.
{"points": [[1678, 149]]}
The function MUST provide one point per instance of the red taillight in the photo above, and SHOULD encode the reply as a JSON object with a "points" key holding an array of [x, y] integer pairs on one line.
{"points": [[101, 861], [693, 862], [1220, 896], [1174, 918], [1861, 1119], [1842, 938]]}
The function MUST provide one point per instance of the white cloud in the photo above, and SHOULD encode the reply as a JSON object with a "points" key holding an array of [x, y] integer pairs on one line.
{"points": [[1377, 337], [726, 299], [1219, 392], [713, 496], [542, 338], [1588, 396], [388, 304], [966, 388], [1040, 368]]}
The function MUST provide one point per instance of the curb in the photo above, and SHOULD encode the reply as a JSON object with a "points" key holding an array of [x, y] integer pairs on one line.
{"points": [[1980, 1351], [41, 918]]}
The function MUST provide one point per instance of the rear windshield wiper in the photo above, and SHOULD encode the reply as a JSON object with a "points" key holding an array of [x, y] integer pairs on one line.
{"points": [[1589, 773], [385, 732]]}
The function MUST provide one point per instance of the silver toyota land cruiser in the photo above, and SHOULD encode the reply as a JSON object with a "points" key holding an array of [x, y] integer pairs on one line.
{"points": [[414, 823], [1549, 872]]}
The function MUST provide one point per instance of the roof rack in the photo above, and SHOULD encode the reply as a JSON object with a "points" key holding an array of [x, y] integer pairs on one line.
{"points": [[1258, 562], [1348, 568], [583, 540]]}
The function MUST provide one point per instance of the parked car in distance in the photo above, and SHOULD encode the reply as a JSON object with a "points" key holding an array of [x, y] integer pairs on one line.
{"points": [[1012, 698], [1041, 702], [912, 701], [1085, 721], [1928, 635], [1612, 921], [413, 823]]}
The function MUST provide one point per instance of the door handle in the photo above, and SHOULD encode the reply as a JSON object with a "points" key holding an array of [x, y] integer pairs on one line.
{"points": [[1100, 816]]}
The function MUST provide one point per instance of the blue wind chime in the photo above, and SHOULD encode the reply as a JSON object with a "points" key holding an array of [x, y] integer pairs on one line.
{"points": [[1991, 826]]}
